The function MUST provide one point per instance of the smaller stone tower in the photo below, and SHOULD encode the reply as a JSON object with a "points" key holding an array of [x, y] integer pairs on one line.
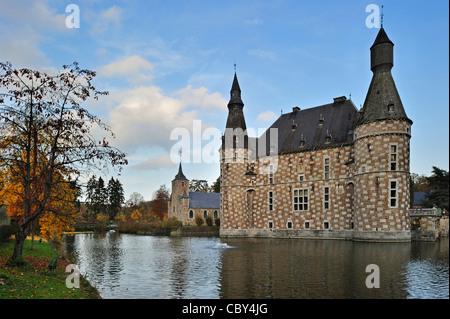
{"points": [[179, 199], [381, 148]]}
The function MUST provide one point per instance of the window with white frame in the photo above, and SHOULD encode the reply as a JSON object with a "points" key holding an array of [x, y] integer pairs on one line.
{"points": [[289, 224], [393, 192], [270, 200], [326, 197], [307, 225], [393, 157], [300, 199], [326, 168]]}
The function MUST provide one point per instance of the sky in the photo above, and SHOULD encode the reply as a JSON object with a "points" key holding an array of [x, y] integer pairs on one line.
{"points": [[168, 67]]}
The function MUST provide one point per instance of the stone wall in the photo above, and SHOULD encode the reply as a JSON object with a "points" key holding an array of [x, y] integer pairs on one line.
{"points": [[4, 218], [428, 224]]}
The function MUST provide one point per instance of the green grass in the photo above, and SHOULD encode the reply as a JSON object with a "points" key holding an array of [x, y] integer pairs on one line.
{"points": [[34, 280]]}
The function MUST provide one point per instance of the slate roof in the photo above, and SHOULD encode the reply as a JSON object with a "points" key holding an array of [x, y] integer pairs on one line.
{"points": [[381, 38], [204, 200], [419, 197], [180, 175], [313, 128]]}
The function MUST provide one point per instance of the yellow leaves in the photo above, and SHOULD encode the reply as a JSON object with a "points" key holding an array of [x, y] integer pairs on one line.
{"points": [[59, 212], [136, 215], [121, 217]]}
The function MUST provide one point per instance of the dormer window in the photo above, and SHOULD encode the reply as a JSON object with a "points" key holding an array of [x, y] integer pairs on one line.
{"points": [[328, 138], [390, 107], [302, 141]]}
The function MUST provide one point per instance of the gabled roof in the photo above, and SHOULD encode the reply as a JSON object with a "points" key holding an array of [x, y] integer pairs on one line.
{"points": [[204, 200], [318, 127]]}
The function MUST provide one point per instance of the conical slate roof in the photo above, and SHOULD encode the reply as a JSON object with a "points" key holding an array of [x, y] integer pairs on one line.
{"points": [[180, 175], [381, 38], [382, 100]]}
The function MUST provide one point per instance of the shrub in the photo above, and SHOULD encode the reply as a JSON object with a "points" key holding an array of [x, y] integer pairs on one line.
{"points": [[5, 232], [217, 221], [209, 221], [198, 220]]}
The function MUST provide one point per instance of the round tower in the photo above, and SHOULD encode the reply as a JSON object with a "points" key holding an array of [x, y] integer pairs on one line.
{"points": [[233, 165], [382, 154]]}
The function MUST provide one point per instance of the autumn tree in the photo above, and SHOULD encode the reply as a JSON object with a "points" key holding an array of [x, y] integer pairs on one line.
{"points": [[45, 133], [160, 202]]}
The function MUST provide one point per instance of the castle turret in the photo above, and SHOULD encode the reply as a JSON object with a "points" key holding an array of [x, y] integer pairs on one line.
{"points": [[382, 154], [234, 159], [382, 101], [236, 129]]}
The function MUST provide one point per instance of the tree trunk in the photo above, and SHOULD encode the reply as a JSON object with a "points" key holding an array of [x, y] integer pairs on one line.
{"points": [[17, 258]]}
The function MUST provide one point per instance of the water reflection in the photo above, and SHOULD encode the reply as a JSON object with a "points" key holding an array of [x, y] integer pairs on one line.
{"points": [[128, 266]]}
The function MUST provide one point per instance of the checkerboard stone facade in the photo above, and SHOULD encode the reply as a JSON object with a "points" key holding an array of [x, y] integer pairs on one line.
{"points": [[349, 189]]}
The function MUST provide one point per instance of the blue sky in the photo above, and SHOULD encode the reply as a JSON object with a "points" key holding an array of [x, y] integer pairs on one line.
{"points": [[169, 63]]}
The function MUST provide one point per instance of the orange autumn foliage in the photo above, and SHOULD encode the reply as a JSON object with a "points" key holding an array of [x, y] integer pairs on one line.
{"points": [[59, 214]]}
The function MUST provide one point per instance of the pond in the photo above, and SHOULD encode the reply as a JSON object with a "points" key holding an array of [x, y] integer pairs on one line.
{"points": [[159, 267]]}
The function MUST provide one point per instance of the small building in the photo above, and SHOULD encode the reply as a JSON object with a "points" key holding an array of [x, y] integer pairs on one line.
{"points": [[185, 205]]}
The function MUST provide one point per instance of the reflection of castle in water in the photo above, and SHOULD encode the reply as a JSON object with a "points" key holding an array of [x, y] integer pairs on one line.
{"points": [[277, 268]]}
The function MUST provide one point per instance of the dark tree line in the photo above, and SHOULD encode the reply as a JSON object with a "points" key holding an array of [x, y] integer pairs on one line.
{"points": [[101, 198]]}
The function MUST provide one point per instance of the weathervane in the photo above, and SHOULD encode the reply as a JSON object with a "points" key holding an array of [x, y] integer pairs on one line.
{"points": [[381, 16]]}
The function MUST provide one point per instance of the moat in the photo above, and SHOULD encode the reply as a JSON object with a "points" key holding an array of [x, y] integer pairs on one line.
{"points": [[132, 266]]}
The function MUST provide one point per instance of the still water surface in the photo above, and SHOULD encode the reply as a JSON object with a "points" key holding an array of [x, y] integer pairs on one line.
{"points": [[131, 266]]}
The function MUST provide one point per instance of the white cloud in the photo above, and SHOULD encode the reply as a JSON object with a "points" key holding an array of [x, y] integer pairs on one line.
{"points": [[145, 116], [201, 97], [266, 116], [111, 16], [28, 23], [162, 161], [131, 65]]}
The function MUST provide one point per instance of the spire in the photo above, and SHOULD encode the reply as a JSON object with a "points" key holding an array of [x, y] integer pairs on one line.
{"points": [[382, 101], [235, 93], [180, 175], [236, 129], [235, 106]]}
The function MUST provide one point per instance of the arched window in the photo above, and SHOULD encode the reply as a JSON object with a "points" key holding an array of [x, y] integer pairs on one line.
{"points": [[205, 214], [191, 214], [216, 214]]}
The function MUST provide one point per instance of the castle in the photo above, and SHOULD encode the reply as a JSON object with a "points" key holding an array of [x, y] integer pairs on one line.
{"points": [[329, 171]]}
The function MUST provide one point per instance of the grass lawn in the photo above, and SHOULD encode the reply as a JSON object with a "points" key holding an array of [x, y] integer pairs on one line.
{"points": [[35, 280]]}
